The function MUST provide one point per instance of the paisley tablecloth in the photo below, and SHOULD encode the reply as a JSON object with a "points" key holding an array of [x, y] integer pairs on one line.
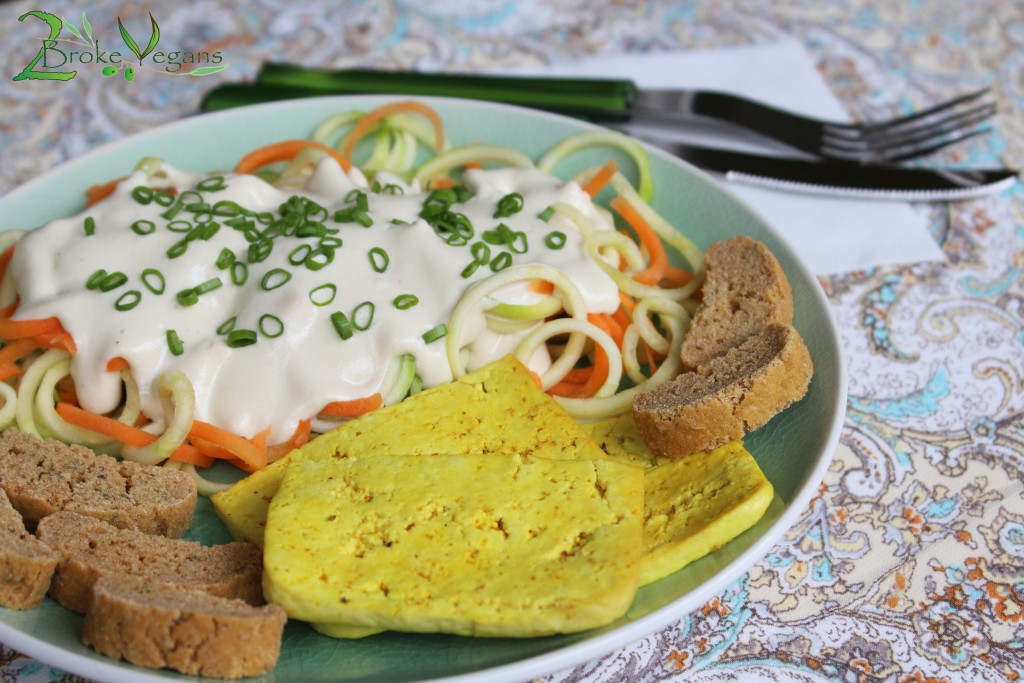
{"points": [[908, 565]]}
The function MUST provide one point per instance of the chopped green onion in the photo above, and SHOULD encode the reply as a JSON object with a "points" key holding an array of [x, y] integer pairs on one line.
{"points": [[163, 198], [180, 225], [143, 227], [435, 333], [112, 281], [398, 221], [226, 207], [208, 286], [128, 300], [94, 280], [353, 215], [359, 197], [160, 284], [174, 343], [501, 262], [239, 338], [379, 259], [319, 257], [239, 273], [341, 324], [271, 326], [362, 315], [297, 256], [481, 252], [225, 258], [90, 226], [177, 249], [555, 239], [187, 297], [393, 189], [259, 251], [276, 277], [405, 301], [330, 291], [546, 214], [470, 268], [330, 241], [212, 184], [227, 325], [142, 194], [509, 204]]}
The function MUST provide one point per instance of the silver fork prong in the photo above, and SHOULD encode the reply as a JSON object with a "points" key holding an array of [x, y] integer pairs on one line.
{"points": [[908, 136], [869, 127], [904, 153], [936, 131], [856, 130]]}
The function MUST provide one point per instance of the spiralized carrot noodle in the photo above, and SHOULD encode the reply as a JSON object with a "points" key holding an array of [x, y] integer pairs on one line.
{"points": [[284, 151], [367, 122]]}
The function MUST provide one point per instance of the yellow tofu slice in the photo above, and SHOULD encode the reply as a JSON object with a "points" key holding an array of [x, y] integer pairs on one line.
{"points": [[693, 505], [497, 409], [466, 544]]}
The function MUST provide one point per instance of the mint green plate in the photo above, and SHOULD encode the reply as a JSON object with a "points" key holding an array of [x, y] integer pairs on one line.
{"points": [[793, 450]]}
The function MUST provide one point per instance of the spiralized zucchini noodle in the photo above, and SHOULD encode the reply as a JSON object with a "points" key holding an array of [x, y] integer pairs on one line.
{"points": [[599, 361]]}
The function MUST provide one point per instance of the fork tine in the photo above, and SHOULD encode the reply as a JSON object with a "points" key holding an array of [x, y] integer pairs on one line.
{"points": [[924, 113], [947, 126], [909, 136], [896, 155], [855, 131]]}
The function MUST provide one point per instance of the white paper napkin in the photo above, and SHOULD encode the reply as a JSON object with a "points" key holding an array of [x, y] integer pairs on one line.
{"points": [[831, 235]]}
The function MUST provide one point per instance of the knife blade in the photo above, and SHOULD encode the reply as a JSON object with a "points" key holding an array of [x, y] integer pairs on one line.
{"points": [[842, 179], [833, 178]]}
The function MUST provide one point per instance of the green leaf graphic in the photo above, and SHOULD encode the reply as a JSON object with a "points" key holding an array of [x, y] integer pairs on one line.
{"points": [[109, 70], [71, 27], [154, 38], [128, 40], [87, 27], [129, 74], [207, 70]]}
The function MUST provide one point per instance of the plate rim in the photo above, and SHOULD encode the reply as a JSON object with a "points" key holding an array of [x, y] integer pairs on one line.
{"points": [[562, 657]]}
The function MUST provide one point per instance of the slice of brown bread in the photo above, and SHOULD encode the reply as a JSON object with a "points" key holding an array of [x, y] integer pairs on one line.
{"points": [[189, 631], [26, 563], [727, 396], [90, 549], [43, 476], [744, 290]]}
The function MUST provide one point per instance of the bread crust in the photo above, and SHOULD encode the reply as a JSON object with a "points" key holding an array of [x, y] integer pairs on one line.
{"points": [[91, 549], [727, 396], [185, 630], [744, 290], [26, 564], [44, 476]]}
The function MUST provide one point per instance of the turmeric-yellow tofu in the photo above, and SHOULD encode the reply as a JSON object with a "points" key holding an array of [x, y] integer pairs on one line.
{"points": [[479, 545], [498, 409], [692, 505]]}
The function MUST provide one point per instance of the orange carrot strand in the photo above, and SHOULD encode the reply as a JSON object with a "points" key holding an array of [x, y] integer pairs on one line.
{"points": [[655, 249], [284, 151], [365, 124], [352, 408], [600, 179]]}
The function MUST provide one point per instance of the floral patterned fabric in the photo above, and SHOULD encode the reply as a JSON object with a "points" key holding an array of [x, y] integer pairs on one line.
{"points": [[908, 565]]}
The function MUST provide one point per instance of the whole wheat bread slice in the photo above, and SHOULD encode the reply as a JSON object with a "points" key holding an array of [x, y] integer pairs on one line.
{"points": [[44, 476], [26, 563], [744, 290], [727, 396], [91, 549], [189, 631]]}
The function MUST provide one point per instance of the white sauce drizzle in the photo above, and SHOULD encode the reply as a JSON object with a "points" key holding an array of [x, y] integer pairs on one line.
{"points": [[277, 382]]}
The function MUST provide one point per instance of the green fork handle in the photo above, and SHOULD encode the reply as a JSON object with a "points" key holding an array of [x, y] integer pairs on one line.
{"points": [[591, 99]]}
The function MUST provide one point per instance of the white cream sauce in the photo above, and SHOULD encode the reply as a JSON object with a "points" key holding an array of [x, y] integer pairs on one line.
{"points": [[279, 381]]}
